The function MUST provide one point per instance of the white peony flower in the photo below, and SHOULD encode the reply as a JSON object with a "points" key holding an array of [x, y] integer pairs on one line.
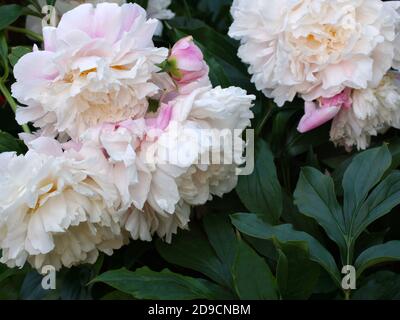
{"points": [[316, 48], [176, 142], [225, 113], [373, 111], [198, 123], [56, 207], [96, 67]]}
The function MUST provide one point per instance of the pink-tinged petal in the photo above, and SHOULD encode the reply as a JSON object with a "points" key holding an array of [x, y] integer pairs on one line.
{"points": [[136, 127], [129, 14], [162, 120], [186, 88], [343, 99], [47, 146], [190, 76], [182, 44], [107, 20], [33, 72], [79, 18], [165, 117], [72, 145], [190, 63], [315, 117], [35, 66], [49, 38], [29, 114]]}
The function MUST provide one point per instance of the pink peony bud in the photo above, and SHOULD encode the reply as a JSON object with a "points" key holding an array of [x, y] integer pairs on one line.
{"points": [[316, 115], [187, 62]]}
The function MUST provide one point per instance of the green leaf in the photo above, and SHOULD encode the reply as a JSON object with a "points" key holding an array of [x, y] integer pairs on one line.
{"points": [[74, 283], [252, 276], [263, 247], [10, 287], [394, 148], [380, 202], [338, 174], [315, 197], [9, 143], [17, 53], [213, 6], [6, 273], [386, 252], [279, 127], [383, 285], [364, 172], [325, 285], [261, 192], [298, 143], [222, 238], [31, 288], [9, 14], [297, 275], [191, 249], [299, 221], [254, 226], [165, 285], [217, 73]]}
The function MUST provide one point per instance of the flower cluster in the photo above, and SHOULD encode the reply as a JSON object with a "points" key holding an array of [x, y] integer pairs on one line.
{"points": [[337, 55], [120, 134]]}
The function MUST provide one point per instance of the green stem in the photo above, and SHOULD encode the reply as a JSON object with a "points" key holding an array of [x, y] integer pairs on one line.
{"points": [[238, 235], [27, 32], [36, 5], [12, 103], [264, 120], [167, 25], [347, 294]]}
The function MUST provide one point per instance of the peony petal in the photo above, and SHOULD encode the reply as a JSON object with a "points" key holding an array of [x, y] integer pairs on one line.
{"points": [[315, 117]]}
